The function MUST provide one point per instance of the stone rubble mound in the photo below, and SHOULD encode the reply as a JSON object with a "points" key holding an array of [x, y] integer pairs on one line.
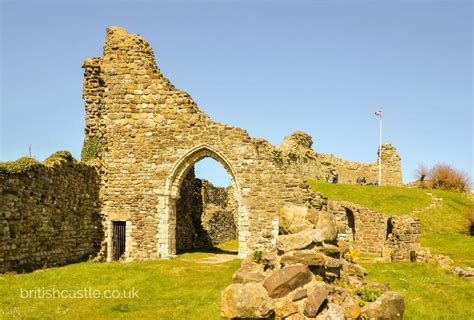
{"points": [[305, 276]]}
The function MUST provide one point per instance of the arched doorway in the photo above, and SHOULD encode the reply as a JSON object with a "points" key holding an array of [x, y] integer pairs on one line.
{"points": [[167, 228]]}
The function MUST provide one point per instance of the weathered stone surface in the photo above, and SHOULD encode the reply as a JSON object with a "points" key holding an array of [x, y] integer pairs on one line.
{"points": [[330, 250], [444, 262], [333, 263], [391, 306], [245, 301], [335, 312], [287, 279], [285, 307], [352, 310], [294, 219], [300, 294], [316, 297], [306, 257], [295, 241], [353, 269], [467, 272], [249, 272], [327, 225]]}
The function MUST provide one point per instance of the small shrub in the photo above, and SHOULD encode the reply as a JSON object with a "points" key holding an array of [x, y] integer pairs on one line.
{"points": [[422, 175], [20, 165], [443, 176], [257, 256], [352, 255], [91, 149], [369, 294]]}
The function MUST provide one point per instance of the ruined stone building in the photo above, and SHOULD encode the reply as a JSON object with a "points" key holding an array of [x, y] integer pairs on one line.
{"points": [[143, 136]]}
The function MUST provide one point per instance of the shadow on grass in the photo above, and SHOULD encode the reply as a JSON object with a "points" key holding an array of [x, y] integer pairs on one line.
{"points": [[215, 250]]}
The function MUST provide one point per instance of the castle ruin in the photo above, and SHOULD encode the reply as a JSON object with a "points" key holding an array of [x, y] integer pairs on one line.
{"points": [[143, 137]]}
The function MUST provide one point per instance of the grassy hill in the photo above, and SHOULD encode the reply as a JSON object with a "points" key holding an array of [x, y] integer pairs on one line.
{"points": [[430, 292], [444, 228]]}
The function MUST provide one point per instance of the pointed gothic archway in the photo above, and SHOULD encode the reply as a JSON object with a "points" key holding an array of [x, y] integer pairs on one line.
{"points": [[167, 221]]}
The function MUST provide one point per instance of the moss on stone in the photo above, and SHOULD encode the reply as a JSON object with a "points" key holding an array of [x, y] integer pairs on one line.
{"points": [[91, 149], [58, 157], [20, 165]]}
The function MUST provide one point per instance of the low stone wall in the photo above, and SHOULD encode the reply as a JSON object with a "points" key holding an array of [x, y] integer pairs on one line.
{"points": [[371, 232], [403, 238], [366, 228], [49, 214]]}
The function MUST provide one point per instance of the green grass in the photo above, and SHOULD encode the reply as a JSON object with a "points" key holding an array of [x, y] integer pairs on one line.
{"points": [[232, 245], [180, 288], [430, 293], [388, 200], [444, 228]]}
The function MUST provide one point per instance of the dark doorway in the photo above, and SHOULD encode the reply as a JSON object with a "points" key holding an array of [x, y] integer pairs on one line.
{"points": [[118, 239], [389, 227], [351, 222]]}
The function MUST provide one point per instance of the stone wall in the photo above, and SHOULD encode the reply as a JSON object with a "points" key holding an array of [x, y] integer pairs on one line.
{"points": [[403, 238], [298, 152], [49, 215], [371, 232], [220, 215]]}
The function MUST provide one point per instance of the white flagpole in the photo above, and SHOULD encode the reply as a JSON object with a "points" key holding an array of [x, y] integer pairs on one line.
{"points": [[380, 152]]}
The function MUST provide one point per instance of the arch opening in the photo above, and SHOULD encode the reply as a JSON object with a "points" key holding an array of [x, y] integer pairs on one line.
{"points": [[351, 224], [200, 215], [206, 214]]}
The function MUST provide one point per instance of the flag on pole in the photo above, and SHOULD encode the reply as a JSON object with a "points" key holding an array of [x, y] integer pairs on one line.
{"points": [[378, 113]]}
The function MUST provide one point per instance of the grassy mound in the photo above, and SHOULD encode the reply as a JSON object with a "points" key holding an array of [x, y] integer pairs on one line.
{"points": [[389, 200], [444, 228]]}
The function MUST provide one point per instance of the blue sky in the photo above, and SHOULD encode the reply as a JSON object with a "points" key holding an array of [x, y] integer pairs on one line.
{"points": [[271, 67]]}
